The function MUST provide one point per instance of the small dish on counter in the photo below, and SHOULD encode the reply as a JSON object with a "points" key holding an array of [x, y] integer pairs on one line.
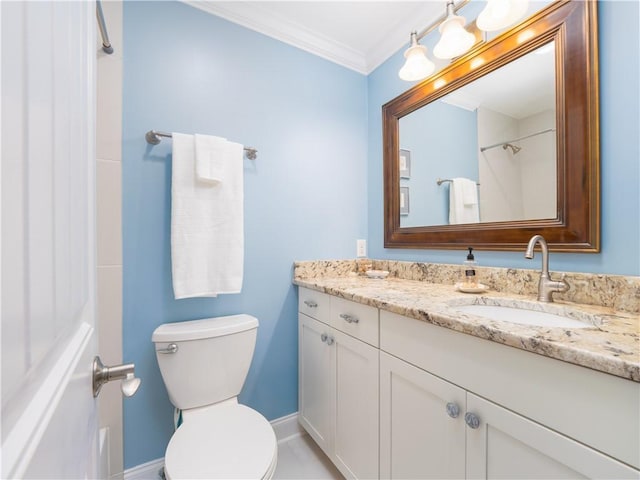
{"points": [[377, 273], [479, 288]]}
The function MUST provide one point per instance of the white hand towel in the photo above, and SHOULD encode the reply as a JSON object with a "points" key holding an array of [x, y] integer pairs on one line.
{"points": [[207, 236], [210, 153], [463, 201]]}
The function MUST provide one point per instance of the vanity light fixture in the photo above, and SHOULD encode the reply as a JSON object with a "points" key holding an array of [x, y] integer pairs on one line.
{"points": [[499, 14], [454, 39], [417, 65]]}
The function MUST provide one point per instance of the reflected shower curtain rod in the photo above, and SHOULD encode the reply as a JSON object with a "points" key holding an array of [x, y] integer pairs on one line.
{"points": [[153, 137], [482, 149]]}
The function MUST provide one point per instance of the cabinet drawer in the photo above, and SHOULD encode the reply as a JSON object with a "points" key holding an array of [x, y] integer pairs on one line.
{"points": [[356, 319], [314, 304]]}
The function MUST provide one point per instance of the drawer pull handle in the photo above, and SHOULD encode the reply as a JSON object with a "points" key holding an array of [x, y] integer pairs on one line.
{"points": [[349, 318], [453, 410], [472, 420], [310, 303], [323, 337], [330, 340]]}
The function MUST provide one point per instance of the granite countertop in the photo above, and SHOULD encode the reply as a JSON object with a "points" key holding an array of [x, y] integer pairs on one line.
{"points": [[613, 346]]}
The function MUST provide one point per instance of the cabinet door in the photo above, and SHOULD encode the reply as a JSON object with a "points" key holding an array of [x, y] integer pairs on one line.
{"points": [[316, 381], [418, 437], [356, 435], [506, 445]]}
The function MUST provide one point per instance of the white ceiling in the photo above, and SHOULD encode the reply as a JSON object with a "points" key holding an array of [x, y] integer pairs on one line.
{"points": [[359, 35]]}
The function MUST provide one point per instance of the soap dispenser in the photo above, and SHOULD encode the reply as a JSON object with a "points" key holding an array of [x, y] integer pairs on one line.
{"points": [[469, 279]]}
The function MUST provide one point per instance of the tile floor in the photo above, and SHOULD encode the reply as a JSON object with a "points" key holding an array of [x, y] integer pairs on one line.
{"points": [[300, 458]]}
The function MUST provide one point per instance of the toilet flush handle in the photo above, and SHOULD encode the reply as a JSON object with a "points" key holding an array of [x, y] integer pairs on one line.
{"points": [[171, 348]]}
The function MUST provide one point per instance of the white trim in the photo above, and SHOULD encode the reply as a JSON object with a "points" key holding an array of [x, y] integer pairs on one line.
{"points": [[285, 428], [145, 471], [262, 20], [22, 441]]}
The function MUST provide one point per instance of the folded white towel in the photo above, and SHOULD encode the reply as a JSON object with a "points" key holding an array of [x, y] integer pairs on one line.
{"points": [[463, 201], [210, 152], [469, 192], [207, 237]]}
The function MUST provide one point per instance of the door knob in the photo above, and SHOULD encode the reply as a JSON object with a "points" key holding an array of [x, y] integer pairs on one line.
{"points": [[103, 374]]}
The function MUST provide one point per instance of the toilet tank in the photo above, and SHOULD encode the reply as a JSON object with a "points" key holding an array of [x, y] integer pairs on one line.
{"points": [[211, 360]]}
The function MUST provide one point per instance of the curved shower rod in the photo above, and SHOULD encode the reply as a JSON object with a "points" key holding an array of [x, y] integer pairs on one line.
{"points": [[507, 144]]}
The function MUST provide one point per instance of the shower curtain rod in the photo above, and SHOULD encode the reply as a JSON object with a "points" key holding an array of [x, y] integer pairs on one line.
{"points": [[482, 149], [106, 44], [153, 137]]}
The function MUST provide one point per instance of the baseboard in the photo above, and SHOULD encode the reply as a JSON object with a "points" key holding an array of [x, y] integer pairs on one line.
{"points": [[145, 471], [285, 428]]}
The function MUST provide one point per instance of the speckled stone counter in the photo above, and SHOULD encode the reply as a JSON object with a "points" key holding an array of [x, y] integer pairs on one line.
{"points": [[612, 345]]}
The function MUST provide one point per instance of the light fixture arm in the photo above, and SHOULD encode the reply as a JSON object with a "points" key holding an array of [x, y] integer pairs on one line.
{"points": [[452, 9]]}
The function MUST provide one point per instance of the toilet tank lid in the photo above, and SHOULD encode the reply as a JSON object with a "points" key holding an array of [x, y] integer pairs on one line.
{"points": [[204, 328]]}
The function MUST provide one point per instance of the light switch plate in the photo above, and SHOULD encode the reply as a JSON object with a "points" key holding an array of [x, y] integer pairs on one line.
{"points": [[361, 248]]}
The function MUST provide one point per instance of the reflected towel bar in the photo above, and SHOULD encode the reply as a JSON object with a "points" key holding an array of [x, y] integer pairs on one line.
{"points": [[153, 137], [440, 181]]}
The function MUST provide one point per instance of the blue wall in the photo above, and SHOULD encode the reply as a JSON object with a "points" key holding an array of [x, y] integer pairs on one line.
{"points": [[189, 71], [315, 188], [620, 154]]}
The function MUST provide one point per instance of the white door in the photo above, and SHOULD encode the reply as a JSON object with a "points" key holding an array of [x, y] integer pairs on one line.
{"points": [[508, 446], [49, 422], [316, 381], [422, 429], [356, 410]]}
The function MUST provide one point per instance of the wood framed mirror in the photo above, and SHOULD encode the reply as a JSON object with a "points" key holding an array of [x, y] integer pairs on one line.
{"points": [[572, 222]]}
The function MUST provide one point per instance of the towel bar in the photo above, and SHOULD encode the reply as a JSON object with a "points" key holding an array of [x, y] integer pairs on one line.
{"points": [[153, 137], [440, 181]]}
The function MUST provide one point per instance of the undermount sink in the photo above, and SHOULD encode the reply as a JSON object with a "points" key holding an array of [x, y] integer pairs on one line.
{"points": [[525, 316]]}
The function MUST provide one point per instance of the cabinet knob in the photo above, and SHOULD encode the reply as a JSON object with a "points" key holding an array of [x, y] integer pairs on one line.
{"points": [[349, 318], [453, 410], [472, 420], [330, 340], [323, 337], [310, 303]]}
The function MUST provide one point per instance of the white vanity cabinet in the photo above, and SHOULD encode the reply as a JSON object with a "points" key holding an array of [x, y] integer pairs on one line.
{"points": [[433, 426], [338, 380]]}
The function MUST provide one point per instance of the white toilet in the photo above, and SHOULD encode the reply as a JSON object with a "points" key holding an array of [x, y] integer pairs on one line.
{"points": [[204, 364]]}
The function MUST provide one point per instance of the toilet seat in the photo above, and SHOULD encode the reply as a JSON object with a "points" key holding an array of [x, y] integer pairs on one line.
{"points": [[231, 441]]}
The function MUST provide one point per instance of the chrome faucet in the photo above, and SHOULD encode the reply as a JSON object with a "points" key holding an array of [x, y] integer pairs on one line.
{"points": [[546, 286]]}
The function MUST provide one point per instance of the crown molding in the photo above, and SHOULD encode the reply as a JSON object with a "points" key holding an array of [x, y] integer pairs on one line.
{"points": [[261, 20]]}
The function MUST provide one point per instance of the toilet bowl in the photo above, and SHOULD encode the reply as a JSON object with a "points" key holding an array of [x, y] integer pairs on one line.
{"points": [[204, 364]]}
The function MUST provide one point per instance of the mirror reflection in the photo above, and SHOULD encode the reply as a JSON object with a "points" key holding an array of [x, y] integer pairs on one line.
{"points": [[485, 152]]}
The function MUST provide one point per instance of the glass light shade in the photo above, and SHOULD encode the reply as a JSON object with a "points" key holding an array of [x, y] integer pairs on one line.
{"points": [[417, 66], [454, 39], [499, 14]]}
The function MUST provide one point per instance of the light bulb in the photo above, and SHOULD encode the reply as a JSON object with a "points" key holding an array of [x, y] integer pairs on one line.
{"points": [[417, 66], [454, 39], [499, 14]]}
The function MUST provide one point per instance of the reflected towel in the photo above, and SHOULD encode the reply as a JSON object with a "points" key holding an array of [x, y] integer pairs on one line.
{"points": [[207, 237], [463, 201]]}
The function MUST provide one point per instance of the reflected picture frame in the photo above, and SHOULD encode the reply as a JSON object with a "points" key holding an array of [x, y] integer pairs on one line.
{"points": [[404, 200], [405, 163]]}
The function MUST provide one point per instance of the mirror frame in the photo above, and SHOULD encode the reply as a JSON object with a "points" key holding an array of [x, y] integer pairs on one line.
{"points": [[572, 24]]}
